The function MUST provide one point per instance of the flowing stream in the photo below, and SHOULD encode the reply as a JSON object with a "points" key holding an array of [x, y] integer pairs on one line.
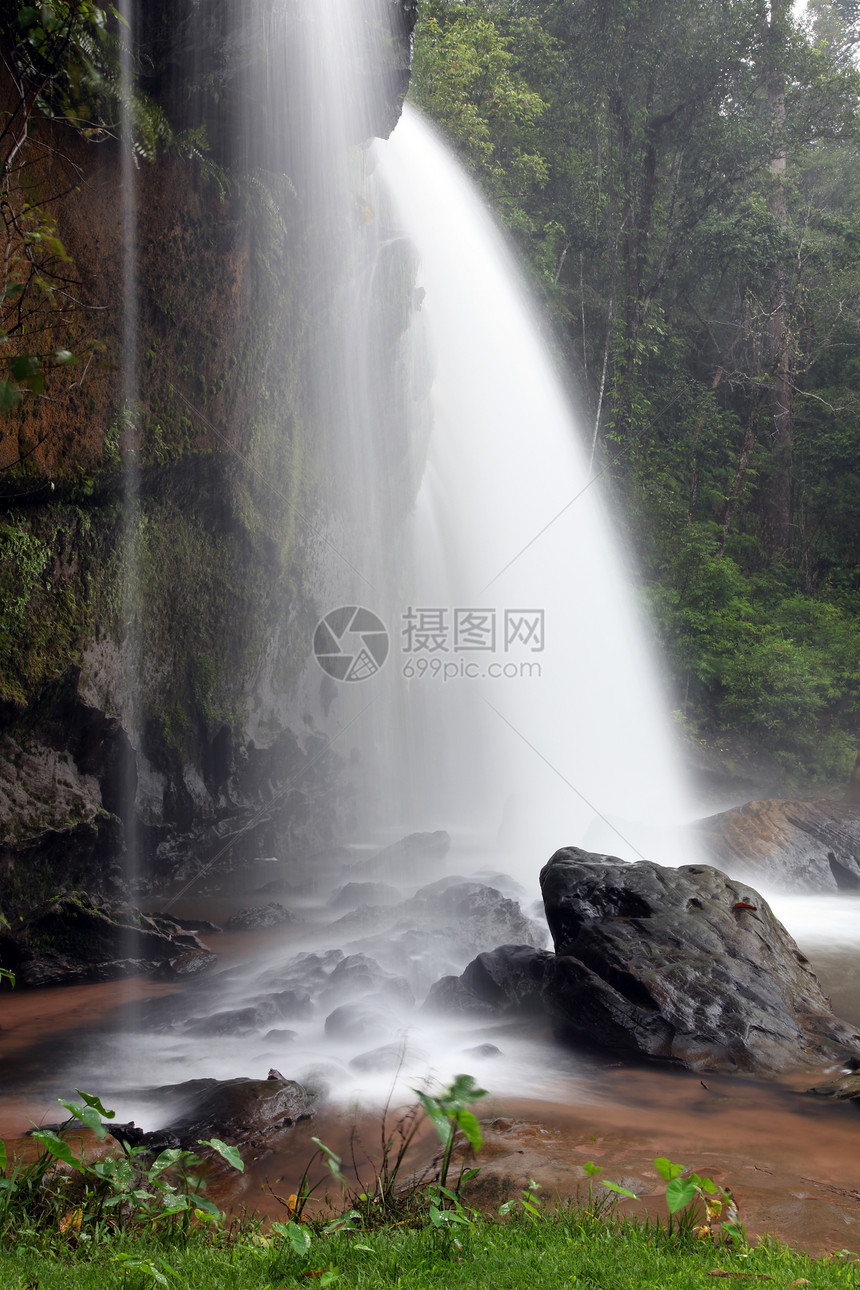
{"points": [[521, 706]]}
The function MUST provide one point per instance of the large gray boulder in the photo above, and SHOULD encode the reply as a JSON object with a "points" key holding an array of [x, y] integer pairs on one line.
{"points": [[681, 964], [788, 844]]}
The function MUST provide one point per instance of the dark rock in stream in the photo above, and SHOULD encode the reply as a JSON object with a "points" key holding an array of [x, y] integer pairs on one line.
{"points": [[792, 845], [235, 1110], [355, 894], [189, 964], [506, 980], [409, 860], [356, 1021], [254, 1018], [844, 1088], [74, 939], [360, 975], [259, 917], [389, 1057], [682, 964]]}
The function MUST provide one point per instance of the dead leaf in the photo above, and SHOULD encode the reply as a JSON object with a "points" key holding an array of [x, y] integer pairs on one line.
{"points": [[70, 1223]]}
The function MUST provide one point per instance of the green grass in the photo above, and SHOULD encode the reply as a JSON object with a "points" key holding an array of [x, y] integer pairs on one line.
{"points": [[567, 1249]]}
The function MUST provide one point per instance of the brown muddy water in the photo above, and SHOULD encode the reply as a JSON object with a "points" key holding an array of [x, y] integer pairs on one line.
{"points": [[792, 1160]]}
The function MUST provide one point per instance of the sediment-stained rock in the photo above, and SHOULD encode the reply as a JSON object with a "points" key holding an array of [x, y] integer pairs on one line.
{"points": [[791, 845]]}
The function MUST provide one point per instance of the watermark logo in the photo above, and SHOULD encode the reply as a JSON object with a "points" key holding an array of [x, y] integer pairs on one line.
{"points": [[439, 630], [436, 643], [351, 643]]}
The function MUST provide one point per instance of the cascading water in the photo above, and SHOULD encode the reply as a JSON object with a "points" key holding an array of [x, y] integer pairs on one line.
{"points": [[433, 384], [558, 700]]}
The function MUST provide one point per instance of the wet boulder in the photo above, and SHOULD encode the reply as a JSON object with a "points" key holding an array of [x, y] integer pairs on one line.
{"points": [[409, 860], [444, 926], [357, 1021], [682, 964], [389, 1057], [360, 975], [259, 917], [787, 844], [253, 1018], [844, 1088], [235, 1110], [477, 915], [191, 963], [355, 894], [503, 981]]}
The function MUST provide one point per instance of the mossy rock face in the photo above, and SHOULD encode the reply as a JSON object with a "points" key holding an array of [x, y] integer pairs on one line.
{"points": [[74, 938], [88, 852], [172, 623]]}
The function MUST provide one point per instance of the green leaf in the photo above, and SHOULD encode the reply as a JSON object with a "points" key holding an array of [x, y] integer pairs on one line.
{"points": [[230, 1154], [332, 1160], [207, 1207], [59, 1148], [616, 1187], [465, 1089], [165, 1159], [89, 1099], [22, 367], [591, 1169], [298, 1236], [435, 1115], [679, 1193], [666, 1169], [2, 1156], [468, 1123], [87, 1115]]}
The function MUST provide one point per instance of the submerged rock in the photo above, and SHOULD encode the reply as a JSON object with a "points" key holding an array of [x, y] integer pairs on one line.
{"points": [[409, 860], [355, 894], [681, 964], [259, 917], [506, 980], [793, 845], [357, 1021], [387, 1058]]}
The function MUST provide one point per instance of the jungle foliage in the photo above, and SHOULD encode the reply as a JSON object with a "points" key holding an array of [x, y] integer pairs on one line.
{"points": [[683, 179]]}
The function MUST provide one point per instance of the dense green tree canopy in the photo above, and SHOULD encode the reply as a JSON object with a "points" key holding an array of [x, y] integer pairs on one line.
{"points": [[684, 179]]}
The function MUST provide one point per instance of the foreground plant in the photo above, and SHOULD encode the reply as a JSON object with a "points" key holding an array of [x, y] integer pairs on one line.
{"points": [[710, 1211], [388, 1196], [85, 1199]]}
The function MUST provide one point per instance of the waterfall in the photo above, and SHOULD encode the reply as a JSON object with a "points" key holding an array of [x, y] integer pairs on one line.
{"points": [[540, 688]]}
